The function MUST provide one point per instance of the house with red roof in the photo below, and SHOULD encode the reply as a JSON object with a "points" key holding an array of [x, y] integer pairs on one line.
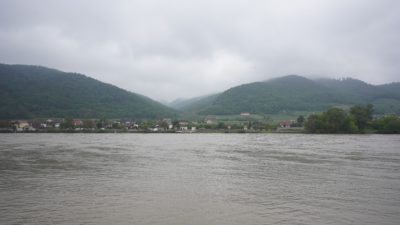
{"points": [[285, 124]]}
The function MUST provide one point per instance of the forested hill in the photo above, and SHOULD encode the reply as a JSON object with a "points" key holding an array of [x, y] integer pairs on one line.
{"points": [[38, 92], [296, 93]]}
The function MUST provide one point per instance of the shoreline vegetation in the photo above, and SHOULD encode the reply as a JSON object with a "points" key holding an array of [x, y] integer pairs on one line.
{"points": [[358, 119]]}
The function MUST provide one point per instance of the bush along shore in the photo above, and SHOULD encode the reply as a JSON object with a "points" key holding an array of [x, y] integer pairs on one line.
{"points": [[358, 120]]}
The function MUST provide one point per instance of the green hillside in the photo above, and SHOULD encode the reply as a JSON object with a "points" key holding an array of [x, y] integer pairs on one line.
{"points": [[385, 98], [296, 93], [36, 92]]}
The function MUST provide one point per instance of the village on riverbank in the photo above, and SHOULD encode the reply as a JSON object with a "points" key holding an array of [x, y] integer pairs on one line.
{"points": [[210, 124], [359, 119]]}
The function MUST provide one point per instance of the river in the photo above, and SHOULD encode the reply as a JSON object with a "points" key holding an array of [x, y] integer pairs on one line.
{"points": [[199, 179]]}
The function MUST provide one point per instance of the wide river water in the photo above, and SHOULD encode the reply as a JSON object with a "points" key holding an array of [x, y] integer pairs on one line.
{"points": [[199, 179]]}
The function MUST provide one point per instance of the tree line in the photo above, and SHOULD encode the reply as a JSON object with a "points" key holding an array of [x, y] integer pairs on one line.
{"points": [[359, 119]]}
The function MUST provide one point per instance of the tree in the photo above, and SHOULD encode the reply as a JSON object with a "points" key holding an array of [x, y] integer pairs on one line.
{"points": [[392, 124], [221, 125], [387, 124], [117, 125], [102, 123], [300, 120], [164, 125], [334, 120], [362, 115], [313, 124], [175, 123], [67, 123], [88, 124], [5, 124]]}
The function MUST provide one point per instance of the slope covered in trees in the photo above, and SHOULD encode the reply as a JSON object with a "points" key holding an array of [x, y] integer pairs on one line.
{"points": [[34, 91], [296, 93]]}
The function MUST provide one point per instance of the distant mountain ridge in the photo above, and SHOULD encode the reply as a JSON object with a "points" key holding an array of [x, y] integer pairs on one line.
{"points": [[38, 92], [297, 93]]}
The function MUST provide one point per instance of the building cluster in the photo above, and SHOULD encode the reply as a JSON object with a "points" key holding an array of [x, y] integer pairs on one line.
{"points": [[61, 124], [209, 123]]}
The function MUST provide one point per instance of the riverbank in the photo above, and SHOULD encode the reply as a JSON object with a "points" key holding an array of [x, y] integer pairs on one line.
{"points": [[205, 131]]}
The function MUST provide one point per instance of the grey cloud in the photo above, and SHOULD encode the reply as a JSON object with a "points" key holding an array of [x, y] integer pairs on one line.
{"points": [[170, 49]]}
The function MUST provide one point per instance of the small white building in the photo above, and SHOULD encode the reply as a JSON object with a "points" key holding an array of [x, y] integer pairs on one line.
{"points": [[209, 121]]}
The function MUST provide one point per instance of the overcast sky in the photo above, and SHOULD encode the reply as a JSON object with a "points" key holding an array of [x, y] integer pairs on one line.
{"points": [[170, 49]]}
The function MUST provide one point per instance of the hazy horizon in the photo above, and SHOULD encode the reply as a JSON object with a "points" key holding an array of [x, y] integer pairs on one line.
{"points": [[182, 49]]}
